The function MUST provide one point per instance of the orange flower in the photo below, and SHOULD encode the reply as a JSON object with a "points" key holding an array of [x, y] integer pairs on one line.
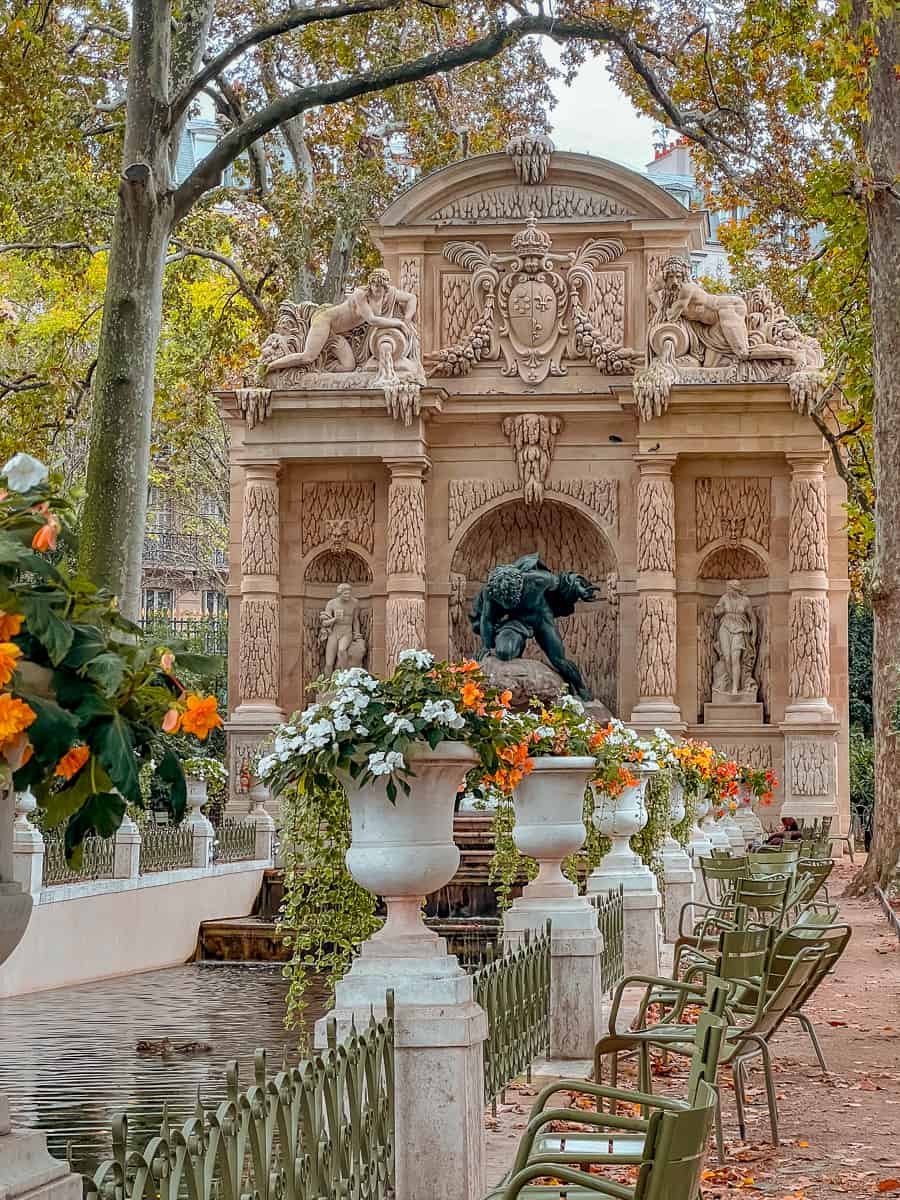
{"points": [[45, 538], [171, 721], [505, 698], [15, 716], [72, 761], [471, 695], [10, 625], [18, 751], [201, 716], [469, 665], [9, 652]]}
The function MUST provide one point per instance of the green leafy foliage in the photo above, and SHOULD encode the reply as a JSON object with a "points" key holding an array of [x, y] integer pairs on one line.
{"points": [[648, 842]]}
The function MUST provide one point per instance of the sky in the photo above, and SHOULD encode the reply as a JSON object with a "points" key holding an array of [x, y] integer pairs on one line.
{"points": [[594, 117]]}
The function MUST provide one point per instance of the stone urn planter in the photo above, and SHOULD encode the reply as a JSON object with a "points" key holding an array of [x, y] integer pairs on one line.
{"points": [[747, 819], [619, 818], [403, 851], [734, 833], [674, 856], [549, 805], [715, 832], [700, 845]]}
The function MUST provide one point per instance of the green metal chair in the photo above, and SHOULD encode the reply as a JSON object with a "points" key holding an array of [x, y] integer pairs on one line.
{"points": [[670, 1166], [720, 876], [627, 1147], [774, 1002], [763, 864]]}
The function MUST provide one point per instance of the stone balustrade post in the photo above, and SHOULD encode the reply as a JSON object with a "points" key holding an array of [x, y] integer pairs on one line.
{"points": [[265, 825], [203, 833], [127, 854], [810, 750], [657, 642], [406, 558], [28, 846]]}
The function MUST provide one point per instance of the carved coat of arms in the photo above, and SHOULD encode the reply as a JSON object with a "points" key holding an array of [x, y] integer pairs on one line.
{"points": [[533, 308]]}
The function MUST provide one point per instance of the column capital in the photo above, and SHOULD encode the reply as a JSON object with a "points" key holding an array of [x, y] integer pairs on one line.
{"points": [[655, 464], [411, 467], [807, 463], [261, 472]]}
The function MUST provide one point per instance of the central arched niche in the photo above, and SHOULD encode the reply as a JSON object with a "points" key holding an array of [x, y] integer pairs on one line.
{"points": [[567, 541]]}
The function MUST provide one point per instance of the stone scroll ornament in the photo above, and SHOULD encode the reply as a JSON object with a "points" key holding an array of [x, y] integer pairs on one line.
{"points": [[698, 337], [367, 341], [533, 309]]}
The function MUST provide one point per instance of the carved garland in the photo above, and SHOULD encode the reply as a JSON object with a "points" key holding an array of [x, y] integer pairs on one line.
{"points": [[467, 496], [406, 529], [656, 523], [810, 660], [259, 653], [656, 645], [259, 529], [809, 526], [404, 626], [812, 768], [733, 508], [352, 504]]}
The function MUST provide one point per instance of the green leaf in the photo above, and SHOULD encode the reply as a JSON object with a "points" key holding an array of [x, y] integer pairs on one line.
{"points": [[91, 780], [55, 635], [52, 733], [101, 814], [88, 641], [107, 671], [15, 553], [111, 740], [170, 771]]}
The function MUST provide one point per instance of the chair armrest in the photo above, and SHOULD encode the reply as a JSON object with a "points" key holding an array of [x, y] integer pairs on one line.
{"points": [[600, 1120], [649, 981], [593, 1183], [601, 1092]]}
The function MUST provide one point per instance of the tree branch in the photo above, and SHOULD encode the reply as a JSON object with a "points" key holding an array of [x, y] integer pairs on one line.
{"points": [[294, 18], [25, 383], [29, 247], [223, 260], [121, 35], [206, 174]]}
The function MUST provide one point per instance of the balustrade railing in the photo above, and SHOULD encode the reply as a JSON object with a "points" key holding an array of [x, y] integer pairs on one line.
{"points": [[611, 923], [322, 1129], [235, 841], [166, 847], [97, 860], [514, 991]]}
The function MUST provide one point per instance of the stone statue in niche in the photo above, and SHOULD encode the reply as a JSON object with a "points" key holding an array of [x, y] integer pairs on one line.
{"points": [[696, 336], [736, 631], [523, 600], [367, 340], [340, 631]]}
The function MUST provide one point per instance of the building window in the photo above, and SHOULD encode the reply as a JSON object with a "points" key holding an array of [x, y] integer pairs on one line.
{"points": [[214, 604], [157, 601]]}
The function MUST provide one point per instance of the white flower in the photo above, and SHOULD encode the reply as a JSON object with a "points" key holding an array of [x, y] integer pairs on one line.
{"points": [[442, 712], [341, 722], [265, 765], [419, 658], [361, 730], [24, 472], [355, 677], [398, 724], [572, 703], [545, 731], [383, 764]]}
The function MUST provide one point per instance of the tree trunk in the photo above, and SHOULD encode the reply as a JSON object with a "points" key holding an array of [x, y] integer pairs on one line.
{"points": [[882, 147], [112, 535]]}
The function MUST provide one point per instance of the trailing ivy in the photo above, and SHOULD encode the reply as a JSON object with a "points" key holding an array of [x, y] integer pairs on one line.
{"points": [[507, 863], [682, 831], [596, 846], [648, 843], [325, 915]]}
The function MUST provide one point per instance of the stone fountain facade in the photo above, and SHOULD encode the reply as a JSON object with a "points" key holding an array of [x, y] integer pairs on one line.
{"points": [[537, 372]]}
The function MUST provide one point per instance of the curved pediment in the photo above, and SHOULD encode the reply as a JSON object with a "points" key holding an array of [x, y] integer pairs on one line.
{"points": [[489, 190]]}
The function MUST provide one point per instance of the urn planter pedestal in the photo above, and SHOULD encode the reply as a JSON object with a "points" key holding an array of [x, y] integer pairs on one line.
{"points": [[27, 1170], [549, 805], [402, 852], [715, 833], [734, 833], [620, 818], [747, 820], [681, 879]]}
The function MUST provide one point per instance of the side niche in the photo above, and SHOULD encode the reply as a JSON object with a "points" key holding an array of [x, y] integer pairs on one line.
{"points": [[323, 574], [565, 540], [720, 565]]}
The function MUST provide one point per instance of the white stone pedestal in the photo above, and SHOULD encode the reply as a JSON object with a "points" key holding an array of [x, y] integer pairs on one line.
{"points": [[641, 909], [576, 991], [681, 884], [27, 1170], [734, 833], [439, 1031], [715, 834], [749, 824]]}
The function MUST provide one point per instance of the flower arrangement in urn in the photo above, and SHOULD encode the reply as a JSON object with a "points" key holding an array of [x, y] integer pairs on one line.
{"points": [[695, 764], [758, 782], [85, 701], [365, 728], [620, 758]]}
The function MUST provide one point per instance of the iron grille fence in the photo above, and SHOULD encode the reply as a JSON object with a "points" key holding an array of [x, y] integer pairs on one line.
{"points": [[611, 923], [322, 1129], [514, 991], [97, 860], [203, 635], [235, 841], [166, 847]]}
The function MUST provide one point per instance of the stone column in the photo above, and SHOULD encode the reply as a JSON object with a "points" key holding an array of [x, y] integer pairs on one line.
{"points": [[264, 841], [656, 614], [259, 648], [405, 607], [127, 850], [810, 751], [203, 833], [28, 846]]}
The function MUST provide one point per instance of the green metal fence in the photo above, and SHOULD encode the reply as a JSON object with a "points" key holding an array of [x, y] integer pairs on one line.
{"points": [[203, 635], [323, 1130], [166, 847], [514, 991], [611, 923], [97, 862], [235, 841]]}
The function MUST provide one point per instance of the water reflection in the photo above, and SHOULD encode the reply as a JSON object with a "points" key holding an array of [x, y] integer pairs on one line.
{"points": [[68, 1061]]}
